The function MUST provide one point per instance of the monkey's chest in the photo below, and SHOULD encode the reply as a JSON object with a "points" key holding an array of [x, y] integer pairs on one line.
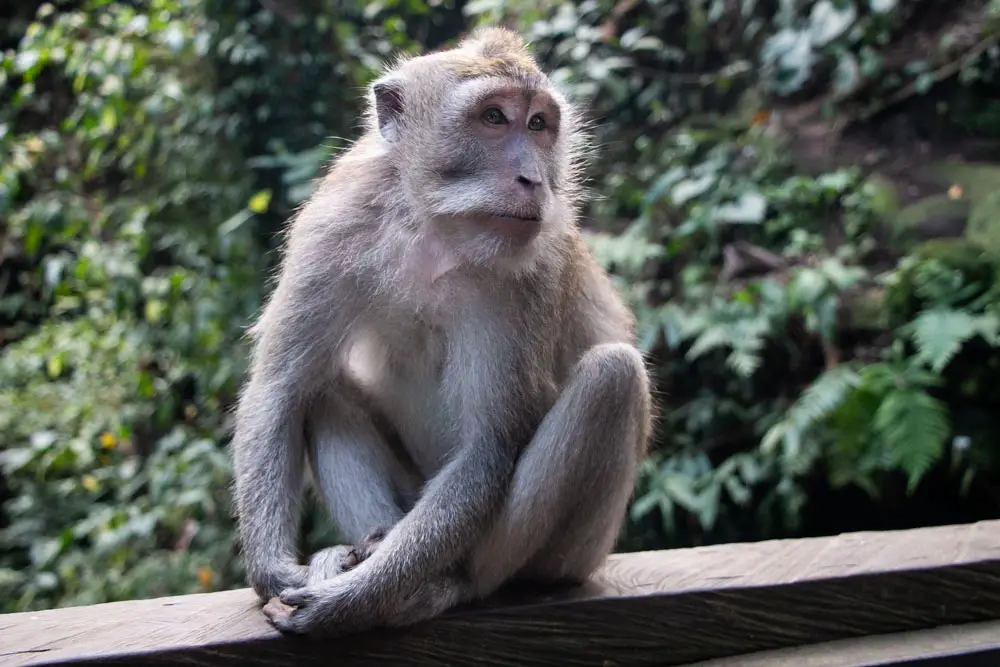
{"points": [[400, 368]]}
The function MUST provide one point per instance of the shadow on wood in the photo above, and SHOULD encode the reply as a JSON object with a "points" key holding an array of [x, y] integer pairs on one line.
{"points": [[655, 608]]}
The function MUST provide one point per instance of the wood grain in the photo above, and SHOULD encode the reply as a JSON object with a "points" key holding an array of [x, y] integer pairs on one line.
{"points": [[654, 608]]}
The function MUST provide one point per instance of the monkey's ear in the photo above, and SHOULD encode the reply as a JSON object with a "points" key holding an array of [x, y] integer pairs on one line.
{"points": [[388, 107]]}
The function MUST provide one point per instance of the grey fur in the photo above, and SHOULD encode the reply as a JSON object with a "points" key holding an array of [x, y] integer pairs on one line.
{"points": [[479, 397]]}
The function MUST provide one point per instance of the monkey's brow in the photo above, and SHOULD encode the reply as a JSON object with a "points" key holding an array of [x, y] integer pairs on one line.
{"points": [[529, 89]]}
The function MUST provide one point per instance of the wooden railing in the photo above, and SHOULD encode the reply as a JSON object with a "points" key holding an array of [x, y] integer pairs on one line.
{"points": [[823, 602]]}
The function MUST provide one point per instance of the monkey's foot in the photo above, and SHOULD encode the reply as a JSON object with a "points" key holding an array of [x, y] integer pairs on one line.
{"points": [[275, 607], [329, 609], [332, 561], [371, 541]]}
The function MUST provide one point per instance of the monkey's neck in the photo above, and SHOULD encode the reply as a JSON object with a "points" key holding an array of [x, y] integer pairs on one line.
{"points": [[430, 259]]}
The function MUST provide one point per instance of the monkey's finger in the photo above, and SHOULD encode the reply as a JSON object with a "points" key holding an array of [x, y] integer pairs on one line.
{"points": [[295, 597], [287, 625]]}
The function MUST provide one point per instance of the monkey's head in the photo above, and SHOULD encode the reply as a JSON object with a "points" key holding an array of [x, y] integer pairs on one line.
{"points": [[486, 149]]}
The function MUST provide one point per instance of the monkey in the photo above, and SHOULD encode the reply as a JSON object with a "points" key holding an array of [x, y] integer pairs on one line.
{"points": [[442, 357]]}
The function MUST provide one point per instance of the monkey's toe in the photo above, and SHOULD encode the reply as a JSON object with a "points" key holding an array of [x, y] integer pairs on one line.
{"points": [[283, 617], [295, 597], [275, 607], [287, 624], [330, 562], [291, 612]]}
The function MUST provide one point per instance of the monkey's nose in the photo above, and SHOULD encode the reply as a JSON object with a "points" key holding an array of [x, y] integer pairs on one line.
{"points": [[528, 183]]}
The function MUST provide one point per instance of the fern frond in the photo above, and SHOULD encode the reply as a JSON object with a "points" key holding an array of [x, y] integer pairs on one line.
{"points": [[710, 339], [743, 362], [629, 250], [939, 334], [988, 326], [819, 400], [824, 395], [914, 427], [744, 337]]}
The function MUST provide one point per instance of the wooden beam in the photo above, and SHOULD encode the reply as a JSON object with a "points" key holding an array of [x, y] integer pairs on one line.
{"points": [[653, 608], [971, 645]]}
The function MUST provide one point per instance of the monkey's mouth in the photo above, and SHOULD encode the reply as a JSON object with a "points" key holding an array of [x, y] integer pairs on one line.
{"points": [[519, 228], [524, 213], [516, 218]]}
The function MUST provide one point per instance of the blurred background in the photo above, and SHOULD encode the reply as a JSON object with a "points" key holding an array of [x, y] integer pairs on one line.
{"points": [[800, 199]]}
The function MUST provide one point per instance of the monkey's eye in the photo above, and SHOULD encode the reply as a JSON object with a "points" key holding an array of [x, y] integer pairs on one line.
{"points": [[494, 116], [536, 123]]}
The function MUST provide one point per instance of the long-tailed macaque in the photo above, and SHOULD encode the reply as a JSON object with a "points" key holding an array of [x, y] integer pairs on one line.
{"points": [[443, 351]]}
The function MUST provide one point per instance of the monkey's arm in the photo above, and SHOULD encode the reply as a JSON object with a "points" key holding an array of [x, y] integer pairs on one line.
{"points": [[295, 338]]}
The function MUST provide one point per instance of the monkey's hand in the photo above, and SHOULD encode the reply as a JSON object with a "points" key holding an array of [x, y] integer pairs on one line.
{"points": [[268, 581], [334, 608], [330, 608]]}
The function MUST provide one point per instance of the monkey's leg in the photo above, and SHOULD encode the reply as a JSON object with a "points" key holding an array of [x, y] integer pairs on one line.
{"points": [[573, 482], [570, 490], [359, 477]]}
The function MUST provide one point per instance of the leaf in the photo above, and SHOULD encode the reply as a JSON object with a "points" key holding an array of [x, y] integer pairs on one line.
{"points": [[818, 401], [827, 21], [807, 286], [792, 53], [690, 188], [709, 507], [260, 201], [737, 491], [678, 488], [644, 505], [748, 209], [234, 222], [154, 310], [924, 83], [843, 277], [109, 120], [988, 326], [649, 335], [915, 428], [882, 6], [827, 392], [663, 182], [743, 362], [710, 339], [847, 74], [940, 333], [25, 60], [54, 365]]}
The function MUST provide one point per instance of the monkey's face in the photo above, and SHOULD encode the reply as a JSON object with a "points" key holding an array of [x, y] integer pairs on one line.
{"points": [[484, 149], [495, 161]]}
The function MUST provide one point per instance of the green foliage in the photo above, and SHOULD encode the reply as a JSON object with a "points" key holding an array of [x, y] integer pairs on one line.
{"points": [[113, 397], [868, 420], [940, 333], [149, 153]]}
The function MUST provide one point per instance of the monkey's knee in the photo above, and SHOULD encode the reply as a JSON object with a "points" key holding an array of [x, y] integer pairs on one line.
{"points": [[614, 369], [616, 385]]}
